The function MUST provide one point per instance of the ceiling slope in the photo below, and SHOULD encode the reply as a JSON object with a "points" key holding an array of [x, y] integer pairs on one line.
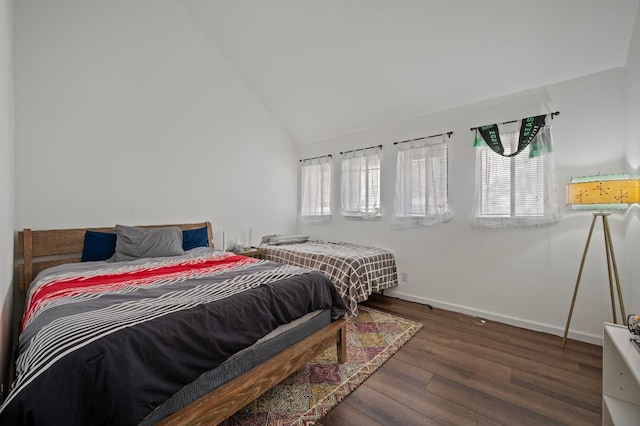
{"points": [[326, 68]]}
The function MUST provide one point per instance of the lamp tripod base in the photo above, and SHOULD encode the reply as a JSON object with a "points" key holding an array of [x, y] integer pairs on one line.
{"points": [[612, 270]]}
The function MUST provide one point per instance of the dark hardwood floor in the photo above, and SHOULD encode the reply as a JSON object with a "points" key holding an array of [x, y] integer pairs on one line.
{"points": [[458, 372]]}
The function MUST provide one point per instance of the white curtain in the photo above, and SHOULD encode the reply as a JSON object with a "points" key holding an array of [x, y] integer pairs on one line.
{"points": [[421, 197], [360, 184], [315, 186], [519, 191]]}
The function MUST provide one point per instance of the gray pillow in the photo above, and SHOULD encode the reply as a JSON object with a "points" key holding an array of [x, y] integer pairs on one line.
{"points": [[279, 240], [134, 243]]}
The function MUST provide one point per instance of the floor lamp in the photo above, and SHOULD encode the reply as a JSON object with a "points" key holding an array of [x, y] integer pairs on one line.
{"points": [[602, 193]]}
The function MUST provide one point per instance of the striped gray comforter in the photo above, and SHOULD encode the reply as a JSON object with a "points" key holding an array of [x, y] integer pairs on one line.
{"points": [[109, 343]]}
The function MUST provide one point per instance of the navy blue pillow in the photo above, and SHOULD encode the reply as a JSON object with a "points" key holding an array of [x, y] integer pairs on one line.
{"points": [[98, 246], [195, 238]]}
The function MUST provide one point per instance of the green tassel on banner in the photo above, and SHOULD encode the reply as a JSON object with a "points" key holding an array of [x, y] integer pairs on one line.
{"points": [[478, 142], [538, 148]]}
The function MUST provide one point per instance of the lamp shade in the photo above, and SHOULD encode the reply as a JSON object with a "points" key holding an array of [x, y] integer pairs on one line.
{"points": [[603, 192]]}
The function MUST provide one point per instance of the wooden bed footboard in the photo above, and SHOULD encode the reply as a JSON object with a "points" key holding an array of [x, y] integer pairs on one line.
{"points": [[223, 402]]}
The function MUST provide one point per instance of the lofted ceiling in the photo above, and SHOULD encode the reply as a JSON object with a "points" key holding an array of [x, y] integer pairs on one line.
{"points": [[331, 67]]}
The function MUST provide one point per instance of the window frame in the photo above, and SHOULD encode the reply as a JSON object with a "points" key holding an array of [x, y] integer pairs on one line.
{"points": [[357, 179], [542, 188], [319, 169], [424, 166]]}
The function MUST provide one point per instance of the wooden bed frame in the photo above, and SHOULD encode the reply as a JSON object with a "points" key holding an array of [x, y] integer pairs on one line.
{"points": [[38, 250]]}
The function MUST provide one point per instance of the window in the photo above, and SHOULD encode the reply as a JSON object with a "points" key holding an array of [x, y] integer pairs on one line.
{"points": [[421, 185], [360, 193], [516, 191], [315, 185]]}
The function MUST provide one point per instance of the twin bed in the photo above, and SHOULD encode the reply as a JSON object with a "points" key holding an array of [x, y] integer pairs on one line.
{"points": [[160, 333], [356, 270]]}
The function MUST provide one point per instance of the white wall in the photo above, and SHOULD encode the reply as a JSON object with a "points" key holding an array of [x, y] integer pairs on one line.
{"points": [[126, 113], [453, 266], [7, 201], [631, 272]]}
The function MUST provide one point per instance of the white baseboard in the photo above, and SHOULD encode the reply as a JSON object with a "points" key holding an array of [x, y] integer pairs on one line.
{"points": [[517, 322]]}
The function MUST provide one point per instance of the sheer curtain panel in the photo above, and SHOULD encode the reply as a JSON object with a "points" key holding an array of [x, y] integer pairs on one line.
{"points": [[360, 184], [421, 197], [315, 186], [518, 191]]}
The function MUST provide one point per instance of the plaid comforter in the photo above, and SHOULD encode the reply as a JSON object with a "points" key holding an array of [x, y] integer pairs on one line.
{"points": [[356, 270], [106, 344]]}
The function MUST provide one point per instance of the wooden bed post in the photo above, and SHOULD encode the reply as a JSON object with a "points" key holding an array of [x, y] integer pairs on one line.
{"points": [[341, 344], [209, 235], [27, 255]]}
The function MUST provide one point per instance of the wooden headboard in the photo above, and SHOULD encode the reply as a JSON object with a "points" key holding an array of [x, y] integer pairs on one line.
{"points": [[43, 249]]}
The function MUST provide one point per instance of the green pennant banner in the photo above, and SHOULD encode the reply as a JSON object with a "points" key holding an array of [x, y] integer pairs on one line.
{"points": [[491, 136], [529, 129]]}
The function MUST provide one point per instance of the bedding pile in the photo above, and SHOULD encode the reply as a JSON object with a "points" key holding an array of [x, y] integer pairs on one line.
{"points": [[107, 343]]}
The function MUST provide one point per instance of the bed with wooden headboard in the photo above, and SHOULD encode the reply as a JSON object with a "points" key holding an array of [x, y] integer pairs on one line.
{"points": [[58, 253]]}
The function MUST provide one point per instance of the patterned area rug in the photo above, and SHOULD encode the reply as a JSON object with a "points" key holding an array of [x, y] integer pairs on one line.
{"points": [[308, 394]]}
